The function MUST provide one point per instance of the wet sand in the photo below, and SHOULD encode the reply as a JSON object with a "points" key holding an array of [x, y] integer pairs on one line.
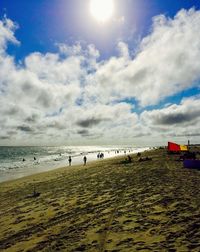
{"points": [[110, 205], [38, 166]]}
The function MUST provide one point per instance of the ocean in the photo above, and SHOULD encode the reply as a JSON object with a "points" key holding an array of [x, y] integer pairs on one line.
{"points": [[17, 162]]}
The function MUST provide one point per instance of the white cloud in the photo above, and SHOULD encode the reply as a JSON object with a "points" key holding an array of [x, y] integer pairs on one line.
{"points": [[166, 63], [183, 114], [181, 120], [74, 97], [123, 50], [7, 29]]}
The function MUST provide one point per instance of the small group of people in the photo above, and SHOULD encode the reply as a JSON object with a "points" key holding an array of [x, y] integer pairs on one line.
{"points": [[23, 160], [187, 155], [144, 159], [100, 155], [84, 160], [140, 159]]}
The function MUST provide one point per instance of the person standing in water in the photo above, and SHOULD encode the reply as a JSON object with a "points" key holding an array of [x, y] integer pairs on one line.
{"points": [[70, 160], [84, 160]]}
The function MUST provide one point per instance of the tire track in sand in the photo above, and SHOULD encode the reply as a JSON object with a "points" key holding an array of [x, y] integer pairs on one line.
{"points": [[104, 235]]}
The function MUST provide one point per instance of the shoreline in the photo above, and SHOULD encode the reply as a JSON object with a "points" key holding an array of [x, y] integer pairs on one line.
{"points": [[53, 171], [53, 165]]}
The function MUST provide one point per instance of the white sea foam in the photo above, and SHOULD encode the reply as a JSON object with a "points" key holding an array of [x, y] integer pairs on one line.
{"points": [[12, 165]]}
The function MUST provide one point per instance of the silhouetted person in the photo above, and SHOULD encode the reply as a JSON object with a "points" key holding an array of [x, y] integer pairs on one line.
{"points": [[34, 158], [85, 160], [129, 159], [70, 160], [35, 193], [23, 159]]}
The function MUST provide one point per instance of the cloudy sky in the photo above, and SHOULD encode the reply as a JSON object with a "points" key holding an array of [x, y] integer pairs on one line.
{"points": [[99, 72]]}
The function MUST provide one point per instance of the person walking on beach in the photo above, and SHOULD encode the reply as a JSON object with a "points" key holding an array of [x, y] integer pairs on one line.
{"points": [[70, 160], [84, 160]]}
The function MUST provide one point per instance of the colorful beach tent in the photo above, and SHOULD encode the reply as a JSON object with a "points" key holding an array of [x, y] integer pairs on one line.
{"points": [[176, 147]]}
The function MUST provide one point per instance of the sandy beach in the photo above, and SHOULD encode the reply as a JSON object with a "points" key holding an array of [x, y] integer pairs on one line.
{"points": [[109, 205]]}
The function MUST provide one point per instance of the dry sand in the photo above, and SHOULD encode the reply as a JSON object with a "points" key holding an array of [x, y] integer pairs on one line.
{"points": [[108, 205]]}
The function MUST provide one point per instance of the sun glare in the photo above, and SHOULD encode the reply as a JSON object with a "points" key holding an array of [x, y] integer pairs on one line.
{"points": [[102, 10]]}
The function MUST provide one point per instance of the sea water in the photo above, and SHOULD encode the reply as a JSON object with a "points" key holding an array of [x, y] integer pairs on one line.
{"points": [[17, 162]]}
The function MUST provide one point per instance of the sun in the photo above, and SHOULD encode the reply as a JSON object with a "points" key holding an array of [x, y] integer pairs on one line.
{"points": [[102, 10]]}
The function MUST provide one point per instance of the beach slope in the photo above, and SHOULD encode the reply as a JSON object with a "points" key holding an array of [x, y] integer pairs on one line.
{"points": [[110, 205]]}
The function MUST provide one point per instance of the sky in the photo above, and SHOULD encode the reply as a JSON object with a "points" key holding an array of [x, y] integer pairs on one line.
{"points": [[70, 75]]}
